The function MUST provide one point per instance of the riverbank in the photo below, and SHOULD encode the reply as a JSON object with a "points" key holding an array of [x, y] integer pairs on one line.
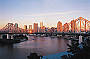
{"points": [[16, 39]]}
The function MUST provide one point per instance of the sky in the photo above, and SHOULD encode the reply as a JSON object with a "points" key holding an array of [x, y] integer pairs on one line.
{"points": [[27, 12]]}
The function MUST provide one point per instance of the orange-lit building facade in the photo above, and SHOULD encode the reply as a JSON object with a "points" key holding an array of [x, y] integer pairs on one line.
{"points": [[73, 26], [35, 27], [66, 27], [59, 27], [25, 28], [41, 27], [30, 28]]}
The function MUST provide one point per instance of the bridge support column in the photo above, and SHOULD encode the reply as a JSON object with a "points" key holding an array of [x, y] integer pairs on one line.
{"points": [[80, 39], [1, 36], [11, 37], [8, 37]]}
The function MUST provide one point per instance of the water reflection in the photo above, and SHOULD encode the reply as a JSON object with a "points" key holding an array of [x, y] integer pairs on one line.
{"points": [[41, 45]]}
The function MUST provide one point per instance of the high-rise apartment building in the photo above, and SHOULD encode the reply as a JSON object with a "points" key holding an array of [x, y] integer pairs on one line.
{"points": [[66, 27], [41, 26], [35, 27], [73, 26], [59, 27], [25, 27], [30, 28]]}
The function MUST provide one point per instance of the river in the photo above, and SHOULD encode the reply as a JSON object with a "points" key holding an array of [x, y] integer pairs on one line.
{"points": [[41, 45]]}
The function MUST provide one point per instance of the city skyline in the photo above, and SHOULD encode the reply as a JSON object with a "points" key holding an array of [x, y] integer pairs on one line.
{"points": [[72, 23], [30, 11], [76, 24]]}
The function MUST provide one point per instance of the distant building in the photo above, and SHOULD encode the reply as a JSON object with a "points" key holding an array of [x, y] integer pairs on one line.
{"points": [[41, 24], [59, 27], [35, 27], [46, 29], [30, 28], [52, 29], [16, 25], [41, 27], [25, 27]]}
